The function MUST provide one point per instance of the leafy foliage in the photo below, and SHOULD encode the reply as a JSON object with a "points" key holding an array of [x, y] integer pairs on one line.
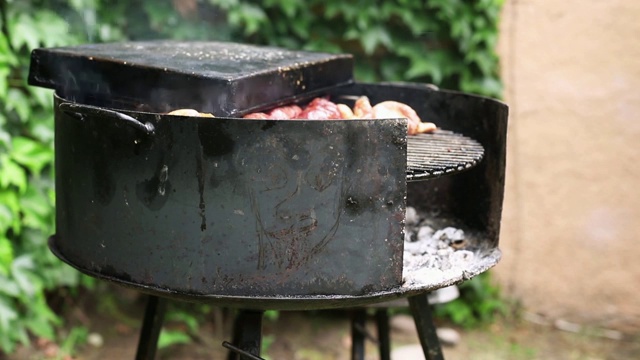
{"points": [[480, 300], [448, 43], [27, 269]]}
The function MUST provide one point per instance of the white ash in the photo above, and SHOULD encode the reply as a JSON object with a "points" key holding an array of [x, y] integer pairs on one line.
{"points": [[432, 255]]}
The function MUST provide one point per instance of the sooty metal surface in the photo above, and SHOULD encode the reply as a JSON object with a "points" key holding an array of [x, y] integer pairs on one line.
{"points": [[229, 206], [215, 77], [439, 153], [277, 301], [96, 147]]}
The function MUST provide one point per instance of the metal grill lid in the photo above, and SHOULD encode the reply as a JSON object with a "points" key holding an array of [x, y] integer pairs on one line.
{"points": [[222, 78]]}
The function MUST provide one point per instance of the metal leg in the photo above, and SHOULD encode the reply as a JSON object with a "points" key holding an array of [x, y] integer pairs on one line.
{"points": [[247, 336], [358, 333], [421, 311], [384, 344], [151, 326]]}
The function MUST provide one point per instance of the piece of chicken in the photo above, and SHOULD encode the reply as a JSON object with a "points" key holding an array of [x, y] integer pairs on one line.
{"points": [[285, 112], [362, 108], [320, 109], [345, 112], [394, 109], [257, 115], [189, 112]]}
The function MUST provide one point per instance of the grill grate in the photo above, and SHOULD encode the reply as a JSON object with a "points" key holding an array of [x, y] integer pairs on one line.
{"points": [[439, 153]]}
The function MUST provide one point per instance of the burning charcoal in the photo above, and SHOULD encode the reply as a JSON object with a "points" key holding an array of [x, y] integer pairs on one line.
{"points": [[410, 235], [417, 247], [444, 252], [411, 217], [432, 254], [425, 276], [425, 233], [461, 258], [458, 244], [433, 262], [412, 247], [449, 233]]}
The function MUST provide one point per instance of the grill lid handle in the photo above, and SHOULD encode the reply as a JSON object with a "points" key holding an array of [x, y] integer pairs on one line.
{"points": [[79, 111]]}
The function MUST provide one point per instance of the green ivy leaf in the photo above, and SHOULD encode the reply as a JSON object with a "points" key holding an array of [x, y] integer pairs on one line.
{"points": [[172, 337], [52, 30], [36, 209], [41, 97], [31, 154], [6, 220], [4, 81], [7, 57], [7, 286], [42, 320], [24, 31], [188, 319], [7, 316], [12, 174], [224, 4], [341, 8], [288, 7], [18, 101], [6, 249], [21, 272], [80, 5], [248, 16], [374, 37], [434, 64]]}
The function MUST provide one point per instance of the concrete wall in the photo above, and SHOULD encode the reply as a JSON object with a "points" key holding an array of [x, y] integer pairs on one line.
{"points": [[571, 225]]}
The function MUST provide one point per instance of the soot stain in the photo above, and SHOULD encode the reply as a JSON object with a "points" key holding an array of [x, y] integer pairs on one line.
{"points": [[214, 139], [104, 183], [200, 177], [153, 192], [352, 205], [268, 125]]}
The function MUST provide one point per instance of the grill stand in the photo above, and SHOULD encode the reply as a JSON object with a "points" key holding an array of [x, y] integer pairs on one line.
{"points": [[247, 331], [384, 344], [247, 336], [151, 326], [421, 312]]}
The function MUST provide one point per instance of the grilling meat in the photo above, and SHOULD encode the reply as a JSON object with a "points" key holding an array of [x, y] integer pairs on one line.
{"points": [[390, 110], [323, 109], [280, 113], [394, 109], [320, 109], [189, 112]]}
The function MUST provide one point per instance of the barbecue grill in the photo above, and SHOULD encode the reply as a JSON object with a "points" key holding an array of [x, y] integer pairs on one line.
{"points": [[260, 214]]}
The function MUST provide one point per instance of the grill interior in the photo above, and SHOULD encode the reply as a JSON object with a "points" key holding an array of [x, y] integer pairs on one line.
{"points": [[439, 153]]}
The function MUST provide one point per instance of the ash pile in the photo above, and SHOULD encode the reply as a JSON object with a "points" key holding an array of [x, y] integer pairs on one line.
{"points": [[433, 255]]}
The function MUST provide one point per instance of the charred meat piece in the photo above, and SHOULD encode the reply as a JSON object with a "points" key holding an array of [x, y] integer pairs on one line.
{"points": [[280, 113], [321, 109]]}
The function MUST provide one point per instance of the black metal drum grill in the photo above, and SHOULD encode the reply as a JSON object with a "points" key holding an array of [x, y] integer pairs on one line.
{"points": [[259, 214]]}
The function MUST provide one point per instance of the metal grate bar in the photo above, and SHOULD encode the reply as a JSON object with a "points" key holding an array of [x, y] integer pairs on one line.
{"points": [[439, 153]]}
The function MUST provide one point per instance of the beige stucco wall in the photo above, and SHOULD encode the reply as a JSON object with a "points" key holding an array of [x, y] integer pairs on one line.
{"points": [[571, 224]]}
